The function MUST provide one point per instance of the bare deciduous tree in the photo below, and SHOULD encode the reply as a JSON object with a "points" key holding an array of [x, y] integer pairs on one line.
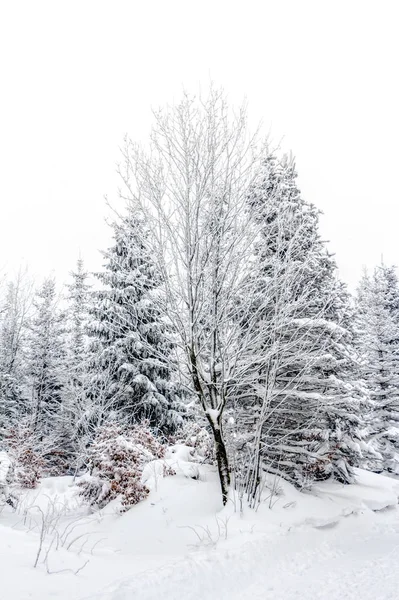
{"points": [[191, 187]]}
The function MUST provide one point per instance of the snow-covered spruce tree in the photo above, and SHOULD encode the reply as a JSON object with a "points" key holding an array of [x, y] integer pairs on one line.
{"points": [[300, 414], [13, 318], [192, 186], [78, 409], [378, 340], [78, 315], [46, 359], [9, 388], [130, 348]]}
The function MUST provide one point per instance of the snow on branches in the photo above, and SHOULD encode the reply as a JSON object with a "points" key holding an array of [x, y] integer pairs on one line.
{"points": [[116, 461], [28, 462]]}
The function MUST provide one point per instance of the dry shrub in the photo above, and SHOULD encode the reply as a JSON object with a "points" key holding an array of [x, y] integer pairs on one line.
{"points": [[116, 461]]}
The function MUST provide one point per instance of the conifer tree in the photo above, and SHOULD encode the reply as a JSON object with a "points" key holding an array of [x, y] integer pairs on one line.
{"points": [[378, 340], [130, 349], [306, 401], [78, 297], [13, 319], [9, 350], [78, 407], [46, 359]]}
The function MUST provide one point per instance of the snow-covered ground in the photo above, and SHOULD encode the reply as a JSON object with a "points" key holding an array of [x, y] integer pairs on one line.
{"points": [[340, 542]]}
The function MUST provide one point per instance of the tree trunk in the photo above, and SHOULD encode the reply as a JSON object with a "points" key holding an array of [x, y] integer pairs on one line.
{"points": [[216, 426], [222, 461]]}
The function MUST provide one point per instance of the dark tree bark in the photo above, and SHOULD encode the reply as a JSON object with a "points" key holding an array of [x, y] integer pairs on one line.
{"points": [[221, 459]]}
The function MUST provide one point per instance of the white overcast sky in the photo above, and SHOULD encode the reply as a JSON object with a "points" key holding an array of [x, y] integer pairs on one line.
{"points": [[77, 75]]}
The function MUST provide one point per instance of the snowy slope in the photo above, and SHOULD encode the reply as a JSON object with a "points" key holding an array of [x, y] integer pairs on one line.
{"points": [[330, 546], [340, 542], [347, 563]]}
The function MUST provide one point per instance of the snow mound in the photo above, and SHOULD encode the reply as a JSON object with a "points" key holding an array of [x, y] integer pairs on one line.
{"points": [[178, 461], [371, 491], [5, 464]]}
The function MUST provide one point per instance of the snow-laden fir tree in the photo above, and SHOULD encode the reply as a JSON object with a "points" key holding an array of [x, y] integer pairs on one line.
{"points": [[46, 359], [378, 339], [13, 318], [77, 318], [131, 372], [301, 413], [79, 300], [9, 384], [78, 409]]}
